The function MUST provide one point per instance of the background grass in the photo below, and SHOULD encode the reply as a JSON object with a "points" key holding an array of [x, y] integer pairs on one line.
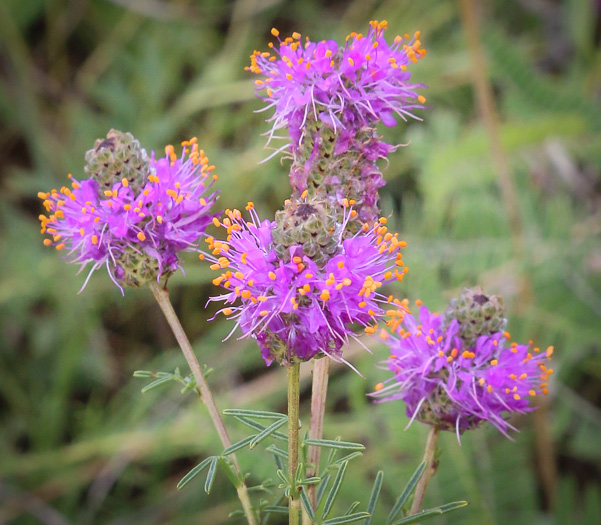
{"points": [[80, 444]]}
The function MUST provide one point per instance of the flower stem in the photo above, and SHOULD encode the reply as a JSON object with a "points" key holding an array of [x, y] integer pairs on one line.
{"points": [[202, 387], [321, 372], [293, 401], [431, 466]]}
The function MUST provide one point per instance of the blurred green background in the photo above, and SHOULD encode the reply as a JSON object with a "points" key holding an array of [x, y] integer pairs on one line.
{"points": [[78, 442]]}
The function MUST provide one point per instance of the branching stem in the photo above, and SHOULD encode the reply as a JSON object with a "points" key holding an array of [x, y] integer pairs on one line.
{"points": [[202, 387]]}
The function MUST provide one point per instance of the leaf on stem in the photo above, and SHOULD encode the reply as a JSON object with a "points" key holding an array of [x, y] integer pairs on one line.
{"points": [[408, 490], [277, 452], [276, 509], [321, 490], [257, 414], [346, 519], [267, 432], [375, 494], [330, 443], [195, 472], [237, 446], [211, 474], [348, 457], [428, 513], [145, 374], [257, 426], [307, 504], [158, 382], [334, 490]]}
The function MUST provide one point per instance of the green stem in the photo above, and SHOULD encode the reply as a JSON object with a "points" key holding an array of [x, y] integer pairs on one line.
{"points": [[431, 466], [293, 401], [202, 387], [321, 372]]}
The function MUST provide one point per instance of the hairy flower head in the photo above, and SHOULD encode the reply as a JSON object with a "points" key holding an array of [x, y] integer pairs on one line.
{"points": [[457, 388], [329, 98], [293, 306], [359, 83], [136, 231]]}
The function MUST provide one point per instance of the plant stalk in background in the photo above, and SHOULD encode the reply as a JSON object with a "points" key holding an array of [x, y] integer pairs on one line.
{"points": [[321, 372]]}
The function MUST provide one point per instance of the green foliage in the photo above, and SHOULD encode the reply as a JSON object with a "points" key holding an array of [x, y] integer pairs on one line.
{"points": [[76, 436]]}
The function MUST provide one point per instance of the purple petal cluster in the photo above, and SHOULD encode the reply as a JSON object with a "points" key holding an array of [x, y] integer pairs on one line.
{"points": [[132, 228], [295, 308], [361, 83], [330, 99], [456, 388]]}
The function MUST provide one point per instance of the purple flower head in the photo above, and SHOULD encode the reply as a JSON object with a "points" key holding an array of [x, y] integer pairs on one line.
{"points": [[294, 307], [330, 99], [136, 233], [359, 84], [457, 388]]}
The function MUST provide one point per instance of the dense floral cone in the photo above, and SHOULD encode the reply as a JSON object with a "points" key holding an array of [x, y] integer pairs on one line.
{"points": [[312, 224], [295, 307], [341, 164], [138, 226], [119, 156], [477, 314], [330, 99], [456, 387]]}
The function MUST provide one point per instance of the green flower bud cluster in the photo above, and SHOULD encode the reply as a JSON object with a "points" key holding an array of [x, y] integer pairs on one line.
{"points": [[135, 268], [312, 224], [118, 156], [477, 313], [351, 174]]}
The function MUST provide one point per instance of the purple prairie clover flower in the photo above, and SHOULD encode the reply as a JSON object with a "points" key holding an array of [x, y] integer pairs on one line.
{"points": [[294, 307], [136, 232], [456, 388], [363, 82], [330, 99]]}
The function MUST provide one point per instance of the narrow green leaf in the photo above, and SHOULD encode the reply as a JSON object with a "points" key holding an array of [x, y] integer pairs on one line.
{"points": [[211, 474], [348, 457], [407, 491], [310, 481], [307, 504], [375, 494], [144, 374], [194, 472], [277, 452], [257, 426], [321, 490], [332, 454], [156, 383], [330, 443], [276, 509], [279, 462], [267, 432], [346, 519], [282, 476], [428, 513], [258, 414], [352, 508], [334, 490], [237, 446]]}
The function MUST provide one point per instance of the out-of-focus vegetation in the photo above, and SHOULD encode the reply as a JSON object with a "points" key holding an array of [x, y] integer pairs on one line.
{"points": [[80, 444]]}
